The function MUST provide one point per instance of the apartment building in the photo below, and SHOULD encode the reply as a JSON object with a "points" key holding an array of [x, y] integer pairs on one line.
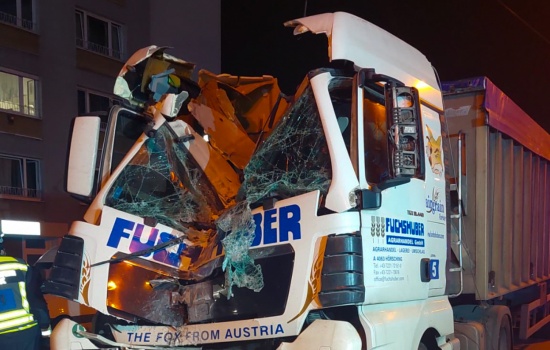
{"points": [[60, 58]]}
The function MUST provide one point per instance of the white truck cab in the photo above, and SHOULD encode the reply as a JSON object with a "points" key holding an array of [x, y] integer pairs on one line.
{"points": [[321, 221]]}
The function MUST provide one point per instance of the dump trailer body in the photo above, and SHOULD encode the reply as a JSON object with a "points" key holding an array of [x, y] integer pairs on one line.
{"points": [[505, 178]]}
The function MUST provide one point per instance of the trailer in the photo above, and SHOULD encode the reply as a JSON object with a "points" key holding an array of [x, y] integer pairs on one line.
{"points": [[503, 173]]}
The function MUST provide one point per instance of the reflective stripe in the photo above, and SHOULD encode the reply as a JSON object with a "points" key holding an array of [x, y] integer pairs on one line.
{"points": [[22, 328], [13, 314], [47, 332], [24, 300], [7, 273], [17, 329], [7, 258], [21, 321], [13, 266]]}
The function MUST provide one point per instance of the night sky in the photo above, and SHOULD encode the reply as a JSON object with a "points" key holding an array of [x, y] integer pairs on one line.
{"points": [[506, 40]]}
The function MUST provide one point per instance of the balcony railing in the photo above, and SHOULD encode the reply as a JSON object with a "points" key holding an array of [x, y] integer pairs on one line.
{"points": [[100, 49], [10, 106], [7, 191], [16, 21]]}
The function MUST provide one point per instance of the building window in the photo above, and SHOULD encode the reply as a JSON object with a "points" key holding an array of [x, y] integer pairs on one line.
{"points": [[19, 177], [93, 102], [18, 12], [98, 35], [18, 94]]}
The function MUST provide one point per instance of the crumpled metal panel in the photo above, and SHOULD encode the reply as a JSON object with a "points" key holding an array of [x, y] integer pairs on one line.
{"points": [[221, 175], [190, 184], [225, 134], [132, 83], [236, 111], [258, 102]]}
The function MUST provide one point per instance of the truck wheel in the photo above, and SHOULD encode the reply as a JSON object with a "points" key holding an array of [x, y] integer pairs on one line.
{"points": [[505, 335], [422, 346]]}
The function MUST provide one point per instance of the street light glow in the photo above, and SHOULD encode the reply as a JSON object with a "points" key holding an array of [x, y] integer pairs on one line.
{"points": [[15, 227]]}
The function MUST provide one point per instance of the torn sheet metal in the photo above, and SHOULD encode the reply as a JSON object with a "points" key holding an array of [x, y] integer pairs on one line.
{"points": [[258, 101], [190, 184], [220, 174], [236, 111], [132, 83], [225, 134]]}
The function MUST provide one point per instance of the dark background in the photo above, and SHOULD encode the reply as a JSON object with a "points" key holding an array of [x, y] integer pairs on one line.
{"points": [[506, 40]]}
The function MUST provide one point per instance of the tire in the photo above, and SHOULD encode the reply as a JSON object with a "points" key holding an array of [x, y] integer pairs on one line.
{"points": [[505, 334], [422, 346]]}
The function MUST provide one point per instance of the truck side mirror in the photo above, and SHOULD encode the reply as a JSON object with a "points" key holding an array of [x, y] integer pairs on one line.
{"points": [[83, 156]]}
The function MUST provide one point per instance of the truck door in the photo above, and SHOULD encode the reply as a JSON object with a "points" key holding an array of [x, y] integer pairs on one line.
{"points": [[391, 167]]}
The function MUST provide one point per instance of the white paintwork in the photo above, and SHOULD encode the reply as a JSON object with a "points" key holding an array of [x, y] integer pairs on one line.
{"points": [[344, 181], [369, 46], [326, 334], [401, 325], [63, 338], [313, 227]]}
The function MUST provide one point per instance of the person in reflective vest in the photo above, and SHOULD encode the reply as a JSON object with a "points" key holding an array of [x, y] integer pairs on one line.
{"points": [[18, 328]]}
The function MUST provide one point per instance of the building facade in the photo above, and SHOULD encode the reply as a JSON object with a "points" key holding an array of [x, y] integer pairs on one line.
{"points": [[59, 59]]}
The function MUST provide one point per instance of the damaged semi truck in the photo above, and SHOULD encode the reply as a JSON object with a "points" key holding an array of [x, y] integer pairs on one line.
{"points": [[352, 215]]}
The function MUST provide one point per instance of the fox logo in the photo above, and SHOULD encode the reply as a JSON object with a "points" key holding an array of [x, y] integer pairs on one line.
{"points": [[433, 149]]}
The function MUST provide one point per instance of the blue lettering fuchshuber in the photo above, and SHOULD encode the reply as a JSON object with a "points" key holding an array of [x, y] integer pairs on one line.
{"points": [[126, 229], [119, 231], [288, 219], [404, 227], [272, 226]]}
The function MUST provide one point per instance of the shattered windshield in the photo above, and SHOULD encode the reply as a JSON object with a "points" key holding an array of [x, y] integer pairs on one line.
{"points": [[163, 182], [294, 159]]}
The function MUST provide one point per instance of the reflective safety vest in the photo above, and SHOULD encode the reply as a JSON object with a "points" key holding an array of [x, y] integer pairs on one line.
{"points": [[15, 314]]}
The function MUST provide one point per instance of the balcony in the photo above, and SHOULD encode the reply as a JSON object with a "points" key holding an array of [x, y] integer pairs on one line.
{"points": [[7, 192], [9, 106], [16, 21], [100, 49]]}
